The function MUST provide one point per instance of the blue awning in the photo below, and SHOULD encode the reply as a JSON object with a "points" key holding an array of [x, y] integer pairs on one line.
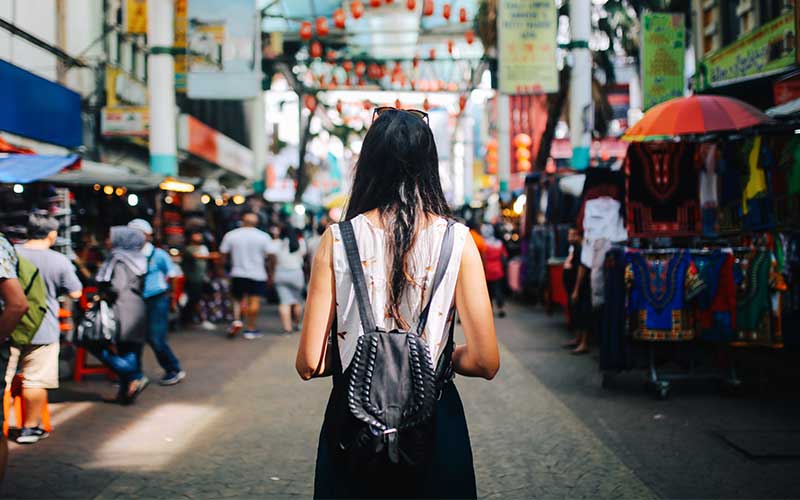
{"points": [[23, 169]]}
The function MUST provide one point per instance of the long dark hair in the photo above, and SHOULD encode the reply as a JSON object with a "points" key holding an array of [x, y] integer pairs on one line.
{"points": [[290, 233], [398, 173]]}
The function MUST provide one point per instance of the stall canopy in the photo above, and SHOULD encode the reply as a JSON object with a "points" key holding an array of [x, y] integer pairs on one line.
{"points": [[25, 168], [92, 172]]}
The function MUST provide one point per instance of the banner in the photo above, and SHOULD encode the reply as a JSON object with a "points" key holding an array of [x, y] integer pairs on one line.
{"points": [[135, 16], [767, 49], [223, 50], [205, 142], [125, 121], [181, 22], [526, 33], [663, 54]]}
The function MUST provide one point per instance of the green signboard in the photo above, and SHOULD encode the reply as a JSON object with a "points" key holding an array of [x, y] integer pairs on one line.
{"points": [[767, 49], [663, 52]]}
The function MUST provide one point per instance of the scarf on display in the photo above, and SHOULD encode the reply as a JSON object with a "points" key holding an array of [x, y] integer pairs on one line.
{"points": [[126, 248]]}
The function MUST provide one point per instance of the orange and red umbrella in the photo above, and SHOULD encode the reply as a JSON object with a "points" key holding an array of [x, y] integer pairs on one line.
{"points": [[695, 115]]}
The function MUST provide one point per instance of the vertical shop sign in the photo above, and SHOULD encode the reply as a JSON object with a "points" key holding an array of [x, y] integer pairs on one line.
{"points": [[526, 31], [181, 58], [663, 53], [135, 16], [223, 49]]}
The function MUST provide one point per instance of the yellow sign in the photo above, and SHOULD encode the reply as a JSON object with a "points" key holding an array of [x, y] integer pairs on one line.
{"points": [[527, 46], [136, 16], [181, 29]]}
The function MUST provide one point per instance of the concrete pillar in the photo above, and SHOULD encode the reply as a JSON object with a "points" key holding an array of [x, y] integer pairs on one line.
{"points": [[258, 135], [161, 87], [503, 143], [581, 112]]}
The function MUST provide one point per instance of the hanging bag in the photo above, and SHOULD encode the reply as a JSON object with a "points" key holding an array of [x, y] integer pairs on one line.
{"points": [[99, 327], [386, 415]]}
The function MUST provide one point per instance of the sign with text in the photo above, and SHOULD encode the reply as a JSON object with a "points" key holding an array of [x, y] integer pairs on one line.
{"points": [[767, 49], [663, 54], [224, 58], [181, 22], [526, 32], [125, 121], [135, 16], [211, 145]]}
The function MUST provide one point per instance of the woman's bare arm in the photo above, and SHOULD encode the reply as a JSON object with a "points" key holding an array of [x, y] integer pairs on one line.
{"points": [[480, 356], [319, 313]]}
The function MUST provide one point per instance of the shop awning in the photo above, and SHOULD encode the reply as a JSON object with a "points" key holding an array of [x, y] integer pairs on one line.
{"points": [[25, 168], [785, 110], [92, 172]]}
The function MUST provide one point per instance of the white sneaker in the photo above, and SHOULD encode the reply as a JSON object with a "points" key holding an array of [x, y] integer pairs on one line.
{"points": [[252, 334], [207, 325]]}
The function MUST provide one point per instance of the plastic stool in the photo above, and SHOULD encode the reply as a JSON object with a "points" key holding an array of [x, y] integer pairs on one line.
{"points": [[13, 395], [82, 368]]}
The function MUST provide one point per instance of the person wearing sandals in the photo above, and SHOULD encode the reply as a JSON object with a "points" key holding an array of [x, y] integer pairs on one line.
{"points": [[289, 278], [396, 261], [121, 280]]}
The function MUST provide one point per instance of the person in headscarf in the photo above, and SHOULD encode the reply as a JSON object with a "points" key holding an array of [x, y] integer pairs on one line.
{"points": [[121, 280]]}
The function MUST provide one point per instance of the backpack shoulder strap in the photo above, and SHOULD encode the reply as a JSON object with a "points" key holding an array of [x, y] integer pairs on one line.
{"points": [[441, 268], [357, 274]]}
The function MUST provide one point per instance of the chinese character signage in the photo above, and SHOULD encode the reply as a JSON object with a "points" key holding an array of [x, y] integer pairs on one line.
{"points": [[223, 45], [136, 16], [527, 46], [663, 53], [767, 49], [181, 60]]}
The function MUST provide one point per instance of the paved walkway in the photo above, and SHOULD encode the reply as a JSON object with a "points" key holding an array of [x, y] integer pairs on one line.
{"points": [[244, 425]]}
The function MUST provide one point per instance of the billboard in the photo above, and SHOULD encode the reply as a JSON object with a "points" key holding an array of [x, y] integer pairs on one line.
{"points": [[125, 121], [663, 53], [223, 50], [527, 46]]}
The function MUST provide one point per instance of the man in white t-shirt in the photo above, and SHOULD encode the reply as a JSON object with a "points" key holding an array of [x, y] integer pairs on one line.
{"points": [[247, 248]]}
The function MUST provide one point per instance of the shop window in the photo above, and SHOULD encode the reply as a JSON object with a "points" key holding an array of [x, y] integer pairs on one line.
{"points": [[731, 22]]}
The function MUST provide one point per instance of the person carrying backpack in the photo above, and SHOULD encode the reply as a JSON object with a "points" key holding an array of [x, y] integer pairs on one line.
{"points": [[384, 288], [37, 355]]}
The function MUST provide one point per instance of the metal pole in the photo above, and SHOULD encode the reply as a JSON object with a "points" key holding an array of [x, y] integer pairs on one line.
{"points": [[161, 87], [581, 112], [503, 143], [258, 135]]}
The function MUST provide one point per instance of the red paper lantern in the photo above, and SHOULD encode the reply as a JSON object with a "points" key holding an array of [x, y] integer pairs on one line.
{"points": [[305, 31], [367, 104], [415, 62], [450, 47], [322, 26], [426, 104], [398, 104], [374, 3], [427, 7], [361, 67], [315, 50], [339, 106], [339, 18], [310, 102], [491, 144], [432, 54], [330, 56], [446, 11], [524, 165], [462, 102], [374, 71], [334, 82], [389, 2], [357, 9], [347, 66], [462, 14], [523, 154], [411, 4], [469, 36]]}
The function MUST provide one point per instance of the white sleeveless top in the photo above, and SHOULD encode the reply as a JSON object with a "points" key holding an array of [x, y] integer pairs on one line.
{"points": [[422, 266]]}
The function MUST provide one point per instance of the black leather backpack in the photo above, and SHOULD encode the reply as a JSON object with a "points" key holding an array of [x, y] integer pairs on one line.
{"points": [[386, 399]]}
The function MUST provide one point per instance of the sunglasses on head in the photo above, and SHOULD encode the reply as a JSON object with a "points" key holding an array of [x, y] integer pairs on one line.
{"points": [[415, 112]]}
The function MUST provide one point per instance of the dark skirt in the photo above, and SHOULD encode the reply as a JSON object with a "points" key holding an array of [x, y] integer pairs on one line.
{"points": [[450, 473]]}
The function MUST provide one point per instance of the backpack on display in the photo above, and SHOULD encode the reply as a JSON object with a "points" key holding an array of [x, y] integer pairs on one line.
{"points": [[36, 294], [391, 384]]}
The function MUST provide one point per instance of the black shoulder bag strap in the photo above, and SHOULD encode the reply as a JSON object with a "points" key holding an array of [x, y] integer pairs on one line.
{"points": [[357, 273], [441, 268]]}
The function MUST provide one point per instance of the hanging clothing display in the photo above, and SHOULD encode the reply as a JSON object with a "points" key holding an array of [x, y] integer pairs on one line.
{"points": [[602, 226], [662, 287], [754, 307], [613, 348], [602, 182], [708, 189], [716, 304], [663, 190], [757, 204]]}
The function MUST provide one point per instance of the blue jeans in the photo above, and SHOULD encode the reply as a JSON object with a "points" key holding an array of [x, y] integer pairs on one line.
{"points": [[126, 363], [157, 326]]}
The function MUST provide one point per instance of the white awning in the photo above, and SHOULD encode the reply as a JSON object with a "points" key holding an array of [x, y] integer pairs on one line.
{"points": [[92, 172], [785, 109]]}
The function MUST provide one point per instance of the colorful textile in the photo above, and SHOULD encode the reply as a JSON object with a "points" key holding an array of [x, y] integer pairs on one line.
{"points": [[757, 180], [663, 190], [753, 304], [716, 305], [661, 289]]}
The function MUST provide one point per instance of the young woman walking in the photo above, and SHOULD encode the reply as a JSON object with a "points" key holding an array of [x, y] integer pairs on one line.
{"points": [[396, 221]]}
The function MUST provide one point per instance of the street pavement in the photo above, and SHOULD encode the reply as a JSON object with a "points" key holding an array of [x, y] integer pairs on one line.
{"points": [[243, 425]]}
